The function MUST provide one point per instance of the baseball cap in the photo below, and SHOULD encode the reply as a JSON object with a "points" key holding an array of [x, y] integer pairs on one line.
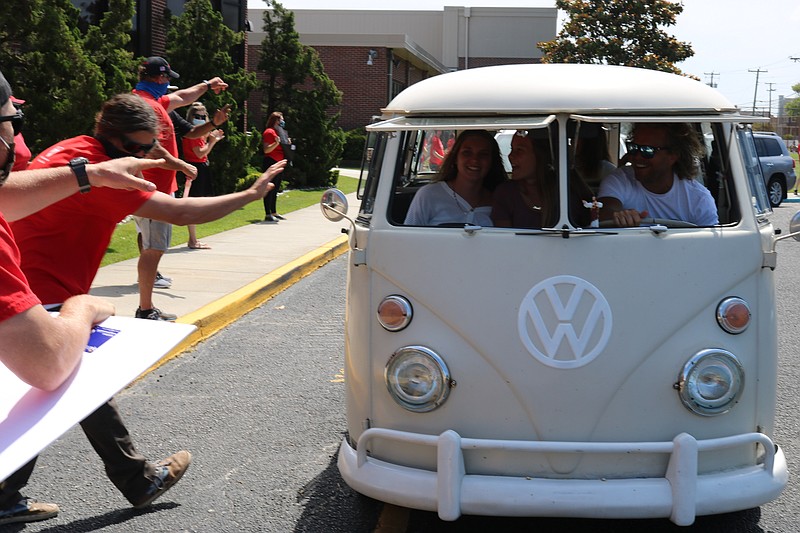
{"points": [[153, 66], [15, 100]]}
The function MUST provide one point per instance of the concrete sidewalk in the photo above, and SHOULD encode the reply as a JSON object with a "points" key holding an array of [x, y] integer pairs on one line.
{"points": [[244, 268]]}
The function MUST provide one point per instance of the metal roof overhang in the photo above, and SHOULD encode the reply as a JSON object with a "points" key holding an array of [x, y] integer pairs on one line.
{"points": [[462, 123], [541, 121]]}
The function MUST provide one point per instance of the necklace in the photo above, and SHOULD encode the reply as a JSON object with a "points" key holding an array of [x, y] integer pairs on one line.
{"points": [[461, 207], [527, 199]]}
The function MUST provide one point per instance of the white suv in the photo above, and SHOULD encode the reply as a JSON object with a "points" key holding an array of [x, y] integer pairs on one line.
{"points": [[776, 165]]}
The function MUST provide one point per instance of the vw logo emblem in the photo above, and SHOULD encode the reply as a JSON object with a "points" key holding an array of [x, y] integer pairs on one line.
{"points": [[564, 322]]}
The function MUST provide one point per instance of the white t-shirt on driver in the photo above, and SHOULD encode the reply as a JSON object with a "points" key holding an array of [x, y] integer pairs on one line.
{"points": [[687, 200]]}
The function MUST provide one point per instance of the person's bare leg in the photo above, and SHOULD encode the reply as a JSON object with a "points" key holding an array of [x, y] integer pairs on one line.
{"points": [[147, 267], [192, 235]]}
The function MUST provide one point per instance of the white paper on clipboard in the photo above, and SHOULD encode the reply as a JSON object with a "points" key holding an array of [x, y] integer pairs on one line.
{"points": [[120, 350]]}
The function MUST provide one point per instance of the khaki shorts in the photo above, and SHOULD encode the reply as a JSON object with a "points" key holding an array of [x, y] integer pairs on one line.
{"points": [[156, 235]]}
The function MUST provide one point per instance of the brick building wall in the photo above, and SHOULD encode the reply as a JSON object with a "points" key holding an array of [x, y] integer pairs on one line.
{"points": [[364, 87]]}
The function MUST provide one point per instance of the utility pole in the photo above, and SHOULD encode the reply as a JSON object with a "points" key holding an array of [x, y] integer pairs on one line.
{"points": [[757, 71], [770, 90], [712, 74]]}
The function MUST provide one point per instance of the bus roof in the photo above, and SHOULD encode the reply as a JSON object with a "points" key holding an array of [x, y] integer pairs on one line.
{"points": [[558, 88]]}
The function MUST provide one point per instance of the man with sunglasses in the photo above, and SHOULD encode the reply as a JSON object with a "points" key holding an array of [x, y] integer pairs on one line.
{"points": [[154, 77], [40, 349], [659, 182], [62, 247]]}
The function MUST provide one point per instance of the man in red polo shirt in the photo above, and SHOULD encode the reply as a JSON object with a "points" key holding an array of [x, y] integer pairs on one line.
{"points": [[63, 244], [154, 76], [41, 349]]}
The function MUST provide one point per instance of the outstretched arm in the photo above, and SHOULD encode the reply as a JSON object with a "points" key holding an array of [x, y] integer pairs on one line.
{"points": [[28, 191], [205, 209]]}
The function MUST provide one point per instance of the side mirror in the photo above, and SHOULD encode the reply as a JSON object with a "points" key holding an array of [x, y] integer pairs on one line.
{"points": [[334, 205], [794, 226]]}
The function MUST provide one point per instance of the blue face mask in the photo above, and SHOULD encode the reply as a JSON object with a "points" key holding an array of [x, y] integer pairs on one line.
{"points": [[156, 89], [282, 124], [198, 121]]}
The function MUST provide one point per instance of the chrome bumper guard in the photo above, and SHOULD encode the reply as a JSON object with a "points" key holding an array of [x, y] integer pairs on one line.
{"points": [[681, 495]]}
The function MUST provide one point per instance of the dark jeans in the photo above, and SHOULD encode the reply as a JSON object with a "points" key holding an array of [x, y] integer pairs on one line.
{"points": [[271, 199], [125, 467]]}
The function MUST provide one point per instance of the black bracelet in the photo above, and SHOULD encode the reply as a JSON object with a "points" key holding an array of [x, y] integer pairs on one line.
{"points": [[208, 84]]}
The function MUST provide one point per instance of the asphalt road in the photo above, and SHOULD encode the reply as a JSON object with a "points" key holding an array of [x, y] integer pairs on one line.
{"points": [[261, 407]]}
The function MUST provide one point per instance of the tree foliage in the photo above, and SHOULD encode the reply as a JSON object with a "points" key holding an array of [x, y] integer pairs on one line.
{"points": [[201, 59], [297, 86], [618, 32], [107, 42], [43, 56], [792, 106]]}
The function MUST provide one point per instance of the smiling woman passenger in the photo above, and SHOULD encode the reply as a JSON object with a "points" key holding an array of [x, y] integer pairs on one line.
{"points": [[462, 191]]}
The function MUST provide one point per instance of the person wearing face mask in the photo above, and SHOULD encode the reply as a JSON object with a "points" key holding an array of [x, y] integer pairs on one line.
{"points": [[154, 77], [195, 152], [277, 147], [62, 246], [41, 349]]}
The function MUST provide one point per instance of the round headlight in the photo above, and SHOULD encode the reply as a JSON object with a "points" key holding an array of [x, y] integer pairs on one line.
{"points": [[417, 379], [394, 313], [733, 315], [711, 382]]}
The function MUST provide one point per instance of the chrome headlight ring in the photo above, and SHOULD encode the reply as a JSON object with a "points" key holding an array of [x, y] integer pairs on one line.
{"points": [[711, 382], [418, 379]]}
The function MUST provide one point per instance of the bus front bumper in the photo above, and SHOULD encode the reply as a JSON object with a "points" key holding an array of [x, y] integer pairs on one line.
{"points": [[681, 495]]}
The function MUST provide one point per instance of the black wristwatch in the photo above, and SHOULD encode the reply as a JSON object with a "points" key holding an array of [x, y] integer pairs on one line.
{"points": [[78, 166]]}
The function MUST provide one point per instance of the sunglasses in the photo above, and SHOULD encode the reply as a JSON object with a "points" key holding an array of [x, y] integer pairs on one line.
{"points": [[202, 117], [133, 147], [6, 169], [646, 151], [16, 121]]}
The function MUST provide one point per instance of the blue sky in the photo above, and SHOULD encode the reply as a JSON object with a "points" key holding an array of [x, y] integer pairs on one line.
{"points": [[730, 38]]}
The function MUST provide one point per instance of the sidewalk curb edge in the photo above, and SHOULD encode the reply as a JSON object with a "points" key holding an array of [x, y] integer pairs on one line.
{"points": [[219, 314]]}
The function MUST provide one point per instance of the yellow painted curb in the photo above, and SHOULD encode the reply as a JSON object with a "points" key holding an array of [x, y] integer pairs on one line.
{"points": [[218, 314]]}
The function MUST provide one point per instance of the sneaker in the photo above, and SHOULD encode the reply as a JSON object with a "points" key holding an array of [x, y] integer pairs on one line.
{"points": [[279, 217], [168, 472], [162, 282], [154, 314], [270, 218], [27, 510]]}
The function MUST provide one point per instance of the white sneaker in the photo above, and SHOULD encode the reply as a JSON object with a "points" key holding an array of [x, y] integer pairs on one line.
{"points": [[162, 282]]}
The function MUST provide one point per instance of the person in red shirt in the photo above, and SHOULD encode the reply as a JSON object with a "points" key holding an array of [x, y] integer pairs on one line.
{"points": [[273, 152], [436, 152], [22, 154], [40, 349], [154, 76], [63, 244], [195, 152]]}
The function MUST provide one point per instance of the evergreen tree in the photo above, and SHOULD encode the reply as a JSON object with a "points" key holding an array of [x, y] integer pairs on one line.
{"points": [[197, 59], [618, 32], [42, 55], [107, 42], [297, 86]]}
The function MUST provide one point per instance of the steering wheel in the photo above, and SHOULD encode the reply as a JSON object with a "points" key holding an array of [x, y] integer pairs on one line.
{"points": [[653, 222]]}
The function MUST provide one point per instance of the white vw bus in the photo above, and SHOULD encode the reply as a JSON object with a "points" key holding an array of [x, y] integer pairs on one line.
{"points": [[568, 371]]}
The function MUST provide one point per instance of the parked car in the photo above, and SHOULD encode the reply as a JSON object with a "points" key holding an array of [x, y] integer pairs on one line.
{"points": [[777, 165]]}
